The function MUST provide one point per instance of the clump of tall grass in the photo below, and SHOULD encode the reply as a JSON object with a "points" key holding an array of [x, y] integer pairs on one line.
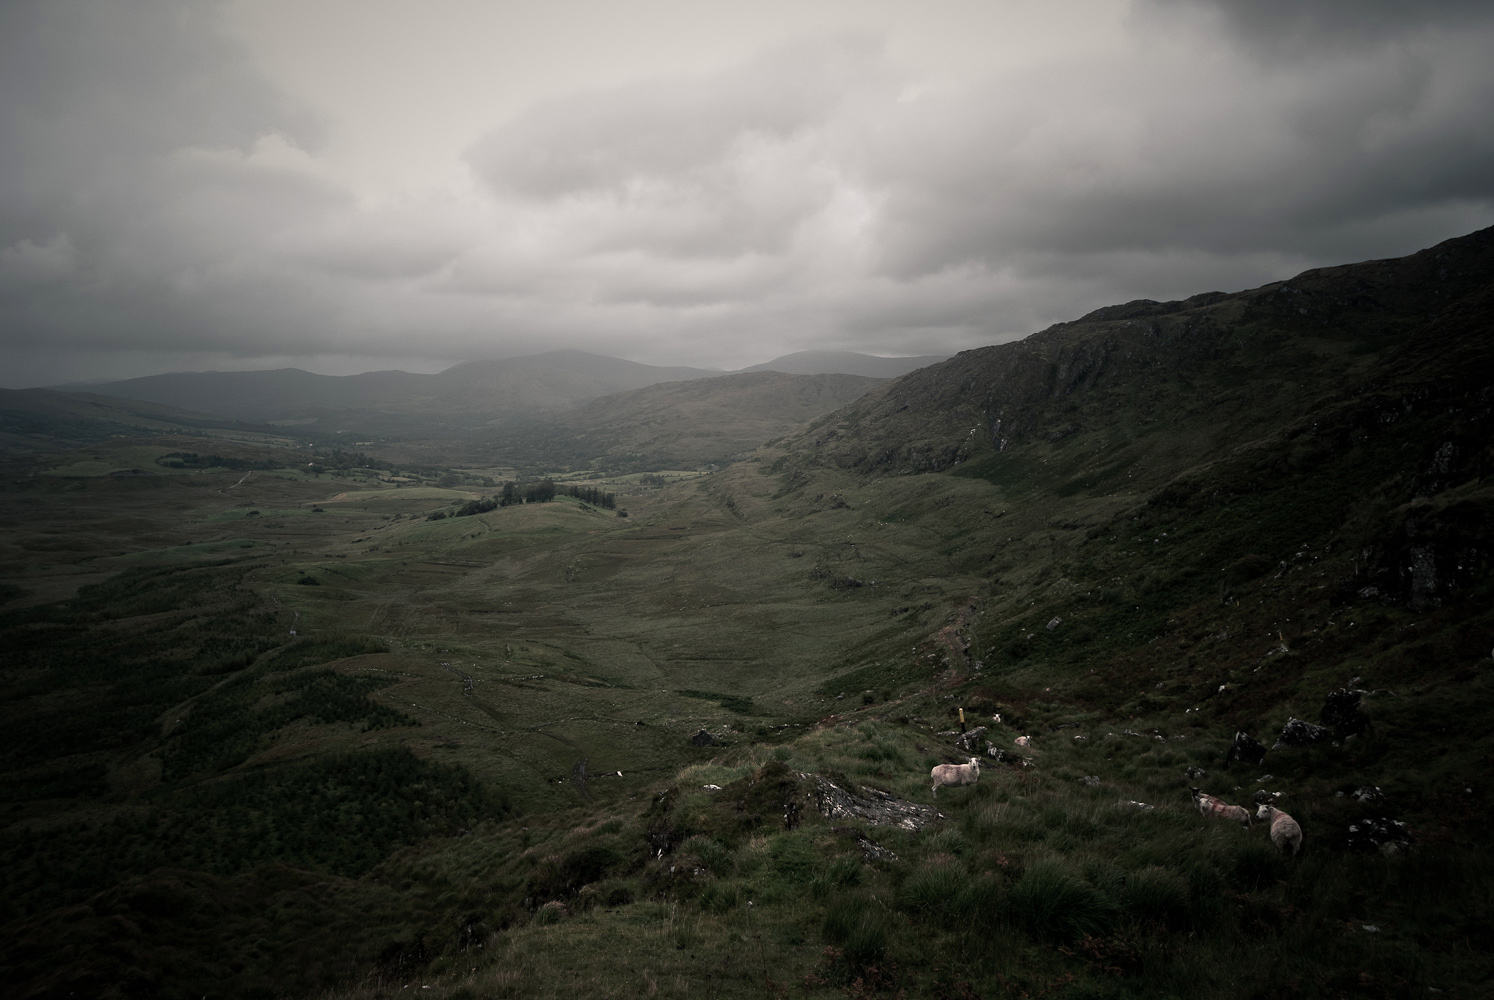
{"points": [[987, 822], [1052, 900], [843, 872], [710, 855], [1255, 864], [979, 900], [719, 897], [932, 887], [552, 912], [857, 924], [1156, 894]]}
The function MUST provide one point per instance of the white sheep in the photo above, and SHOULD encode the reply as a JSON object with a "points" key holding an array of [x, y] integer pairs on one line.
{"points": [[1285, 831], [955, 775], [1023, 741], [1210, 806]]}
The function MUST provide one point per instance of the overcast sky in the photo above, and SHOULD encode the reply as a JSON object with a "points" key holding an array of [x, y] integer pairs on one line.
{"points": [[343, 185]]}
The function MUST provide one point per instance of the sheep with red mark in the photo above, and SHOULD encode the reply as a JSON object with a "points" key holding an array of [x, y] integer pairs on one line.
{"points": [[1210, 806], [955, 775], [1285, 831]]}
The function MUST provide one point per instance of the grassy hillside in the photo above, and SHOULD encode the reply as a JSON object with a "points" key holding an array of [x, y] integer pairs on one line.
{"points": [[474, 768], [41, 419]]}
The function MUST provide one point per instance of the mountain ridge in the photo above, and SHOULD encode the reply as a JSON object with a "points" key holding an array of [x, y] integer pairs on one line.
{"points": [[1326, 324], [550, 381]]}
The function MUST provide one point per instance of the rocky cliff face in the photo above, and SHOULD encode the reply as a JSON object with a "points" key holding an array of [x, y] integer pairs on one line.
{"points": [[1349, 344], [1355, 401]]}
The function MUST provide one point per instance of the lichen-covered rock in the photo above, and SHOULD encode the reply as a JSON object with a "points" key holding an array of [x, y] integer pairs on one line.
{"points": [[970, 742], [1245, 749], [1341, 710], [1297, 733], [869, 805], [1380, 833], [1005, 756], [870, 849]]}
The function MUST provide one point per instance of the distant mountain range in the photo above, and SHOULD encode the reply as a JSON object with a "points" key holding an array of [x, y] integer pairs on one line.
{"points": [[553, 382], [562, 407]]}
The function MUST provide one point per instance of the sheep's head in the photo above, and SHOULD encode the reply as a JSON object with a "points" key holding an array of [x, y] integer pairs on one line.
{"points": [[975, 763], [1264, 812]]}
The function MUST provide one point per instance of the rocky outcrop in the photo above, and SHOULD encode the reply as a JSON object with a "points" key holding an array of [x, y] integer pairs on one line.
{"points": [[1430, 552], [1001, 756], [868, 805], [1341, 710], [972, 741], [1245, 749], [1380, 833], [1297, 733]]}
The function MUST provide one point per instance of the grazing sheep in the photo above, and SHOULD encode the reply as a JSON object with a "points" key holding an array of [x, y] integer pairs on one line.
{"points": [[1285, 831], [1210, 806], [955, 774], [1023, 741]]}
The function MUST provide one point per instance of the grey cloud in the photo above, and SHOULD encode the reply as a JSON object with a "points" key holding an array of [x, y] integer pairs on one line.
{"points": [[127, 131], [30, 263], [1307, 27], [96, 90], [156, 195], [666, 129], [1332, 159], [726, 165]]}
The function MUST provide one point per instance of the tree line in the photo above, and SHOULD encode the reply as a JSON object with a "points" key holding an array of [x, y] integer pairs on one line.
{"points": [[542, 491]]}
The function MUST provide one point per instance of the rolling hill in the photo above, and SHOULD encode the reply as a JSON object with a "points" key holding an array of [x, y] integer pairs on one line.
{"points": [[44, 418], [556, 380], [472, 393], [684, 424]]}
